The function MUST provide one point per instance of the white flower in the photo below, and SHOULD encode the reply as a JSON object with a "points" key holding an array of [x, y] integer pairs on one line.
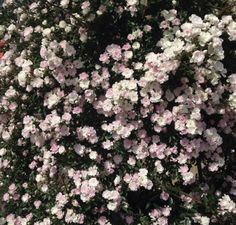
{"points": [[22, 78], [159, 166], [28, 31], [136, 45], [196, 20], [93, 182], [106, 194], [143, 172], [68, 29], [107, 105], [44, 188], [138, 66], [198, 57], [62, 24], [191, 126], [211, 18], [25, 197], [128, 54], [54, 210], [52, 100], [3, 151], [6, 135], [127, 73], [38, 82], [178, 46], [232, 100], [112, 206], [204, 220], [64, 3], [11, 28], [93, 155], [39, 178], [188, 176], [187, 29], [46, 32], [169, 15], [196, 115], [226, 204], [117, 180], [226, 19], [213, 138], [232, 30], [204, 37], [131, 2]]}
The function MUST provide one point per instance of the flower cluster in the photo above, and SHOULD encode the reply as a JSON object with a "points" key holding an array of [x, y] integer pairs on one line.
{"points": [[136, 134]]}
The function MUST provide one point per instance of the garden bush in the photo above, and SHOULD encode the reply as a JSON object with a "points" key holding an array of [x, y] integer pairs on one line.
{"points": [[117, 112]]}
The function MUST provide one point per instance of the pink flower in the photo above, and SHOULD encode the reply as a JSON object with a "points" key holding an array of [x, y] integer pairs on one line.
{"points": [[28, 31], [104, 58], [162, 220], [164, 196]]}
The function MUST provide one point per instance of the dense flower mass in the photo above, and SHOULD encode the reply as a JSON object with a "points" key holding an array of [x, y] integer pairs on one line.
{"points": [[139, 131]]}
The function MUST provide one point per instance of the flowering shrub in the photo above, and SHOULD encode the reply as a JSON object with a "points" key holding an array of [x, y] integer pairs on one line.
{"points": [[133, 128]]}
